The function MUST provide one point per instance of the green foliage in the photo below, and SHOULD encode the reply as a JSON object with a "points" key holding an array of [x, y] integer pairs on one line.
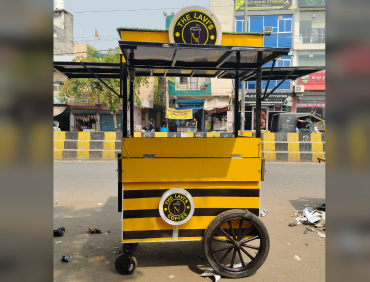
{"points": [[76, 88]]}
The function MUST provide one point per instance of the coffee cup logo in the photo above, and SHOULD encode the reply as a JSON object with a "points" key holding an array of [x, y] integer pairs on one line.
{"points": [[176, 206], [195, 25]]}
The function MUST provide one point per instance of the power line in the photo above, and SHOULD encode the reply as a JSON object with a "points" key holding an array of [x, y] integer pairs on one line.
{"points": [[147, 9]]}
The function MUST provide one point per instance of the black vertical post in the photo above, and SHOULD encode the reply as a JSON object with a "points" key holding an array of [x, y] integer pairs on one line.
{"points": [[236, 103], [132, 106], [120, 192], [258, 97], [132, 80], [123, 94]]}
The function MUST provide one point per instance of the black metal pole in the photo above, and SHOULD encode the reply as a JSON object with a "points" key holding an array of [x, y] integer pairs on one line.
{"points": [[132, 106], [258, 102], [236, 103], [132, 80], [123, 94]]}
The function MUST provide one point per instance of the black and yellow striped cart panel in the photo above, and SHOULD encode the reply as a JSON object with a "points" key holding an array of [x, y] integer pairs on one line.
{"points": [[217, 173]]}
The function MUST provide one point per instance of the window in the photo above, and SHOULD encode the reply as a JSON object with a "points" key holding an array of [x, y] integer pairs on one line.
{"points": [[183, 80], [312, 28], [239, 24], [311, 58]]}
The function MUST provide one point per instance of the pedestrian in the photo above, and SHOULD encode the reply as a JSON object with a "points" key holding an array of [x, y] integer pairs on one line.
{"points": [[150, 126], [153, 125]]}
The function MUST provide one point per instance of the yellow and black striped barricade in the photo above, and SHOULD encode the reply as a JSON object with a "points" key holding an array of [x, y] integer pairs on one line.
{"points": [[175, 189]]}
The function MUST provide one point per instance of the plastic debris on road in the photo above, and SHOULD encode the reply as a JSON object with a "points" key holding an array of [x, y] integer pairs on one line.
{"points": [[210, 273], [94, 230], [311, 217], [66, 258], [263, 212], [322, 235], [58, 242], [99, 204], [171, 276], [59, 232], [297, 257]]}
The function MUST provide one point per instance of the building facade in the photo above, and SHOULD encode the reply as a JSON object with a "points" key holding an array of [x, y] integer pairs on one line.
{"points": [[295, 24], [309, 50]]}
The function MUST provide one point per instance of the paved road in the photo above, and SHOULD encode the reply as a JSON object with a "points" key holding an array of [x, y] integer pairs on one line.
{"points": [[81, 186]]}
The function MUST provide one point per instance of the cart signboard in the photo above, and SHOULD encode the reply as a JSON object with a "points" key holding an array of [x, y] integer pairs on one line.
{"points": [[176, 206], [195, 25]]}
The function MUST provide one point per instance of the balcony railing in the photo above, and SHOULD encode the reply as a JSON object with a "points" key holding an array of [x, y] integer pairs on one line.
{"points": [[192, 86]]}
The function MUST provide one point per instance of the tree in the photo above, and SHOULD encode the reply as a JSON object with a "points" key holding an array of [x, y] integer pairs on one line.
{"points": [[77, 88]]}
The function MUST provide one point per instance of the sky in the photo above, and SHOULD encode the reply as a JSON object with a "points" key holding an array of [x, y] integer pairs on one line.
{"points": [[106, 23]]}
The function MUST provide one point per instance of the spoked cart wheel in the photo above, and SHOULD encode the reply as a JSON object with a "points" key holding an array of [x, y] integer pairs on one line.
{"points": [[236, 243], [126, 264]]}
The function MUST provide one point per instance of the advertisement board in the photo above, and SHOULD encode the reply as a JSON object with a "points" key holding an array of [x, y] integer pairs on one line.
{"points": [[179, 114], [311, 3], [311, 105], [276, 99], [314, 81], [264, 5]]}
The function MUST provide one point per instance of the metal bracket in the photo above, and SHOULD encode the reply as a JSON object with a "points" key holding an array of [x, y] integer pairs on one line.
{"points": [[236, 156], [262, 170], [149, 156]]}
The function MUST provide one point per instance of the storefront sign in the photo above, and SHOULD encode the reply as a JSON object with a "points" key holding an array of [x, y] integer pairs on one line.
{"points": [[311, 3], [315, 81], [311, 105], [86, 99], [179, 114], [195, 25], [176, 206], [264, 5], [276, 99]]}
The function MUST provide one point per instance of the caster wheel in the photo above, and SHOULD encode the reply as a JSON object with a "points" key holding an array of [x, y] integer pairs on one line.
{"points": [[125, 264], [236, 243]]}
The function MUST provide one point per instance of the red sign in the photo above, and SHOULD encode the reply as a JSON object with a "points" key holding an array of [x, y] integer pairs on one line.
{"points": [[314, 81], [311, 105]]}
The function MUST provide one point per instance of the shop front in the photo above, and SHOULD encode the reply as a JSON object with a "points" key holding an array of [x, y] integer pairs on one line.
{"points": [[279, 102], [313, 99], [217, 117]]}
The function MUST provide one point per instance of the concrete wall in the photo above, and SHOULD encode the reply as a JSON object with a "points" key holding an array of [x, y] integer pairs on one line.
{"points": [[283, 147], [63, 28]]}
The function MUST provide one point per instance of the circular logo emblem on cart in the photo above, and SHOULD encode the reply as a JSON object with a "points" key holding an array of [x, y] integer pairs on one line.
{"points": [[176, 206], [195, 25]]}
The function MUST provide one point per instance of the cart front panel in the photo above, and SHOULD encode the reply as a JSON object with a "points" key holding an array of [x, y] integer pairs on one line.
{"points": [[216, 184]]}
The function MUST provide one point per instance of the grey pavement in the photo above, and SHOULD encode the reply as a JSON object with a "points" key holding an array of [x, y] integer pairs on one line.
{"points": [[79, 188]]}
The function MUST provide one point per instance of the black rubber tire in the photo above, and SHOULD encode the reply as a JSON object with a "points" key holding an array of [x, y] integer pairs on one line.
{"points": [[125, 264], [261, 255]]}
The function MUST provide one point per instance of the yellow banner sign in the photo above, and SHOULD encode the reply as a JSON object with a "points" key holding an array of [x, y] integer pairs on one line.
{"points": [[179, 114]]}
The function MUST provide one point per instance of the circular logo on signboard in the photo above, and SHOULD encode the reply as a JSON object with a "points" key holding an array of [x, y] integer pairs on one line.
{"points": [[176, 206], [195, 25]]}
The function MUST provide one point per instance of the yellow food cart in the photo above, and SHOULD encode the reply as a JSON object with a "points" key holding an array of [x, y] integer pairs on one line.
{"points": [[217, 200]]}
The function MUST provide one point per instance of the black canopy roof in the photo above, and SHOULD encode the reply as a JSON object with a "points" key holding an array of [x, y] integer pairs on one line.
{"points": [[183, 60]]}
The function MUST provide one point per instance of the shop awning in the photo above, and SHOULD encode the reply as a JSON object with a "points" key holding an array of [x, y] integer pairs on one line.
{"points": [[216, 105]]}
